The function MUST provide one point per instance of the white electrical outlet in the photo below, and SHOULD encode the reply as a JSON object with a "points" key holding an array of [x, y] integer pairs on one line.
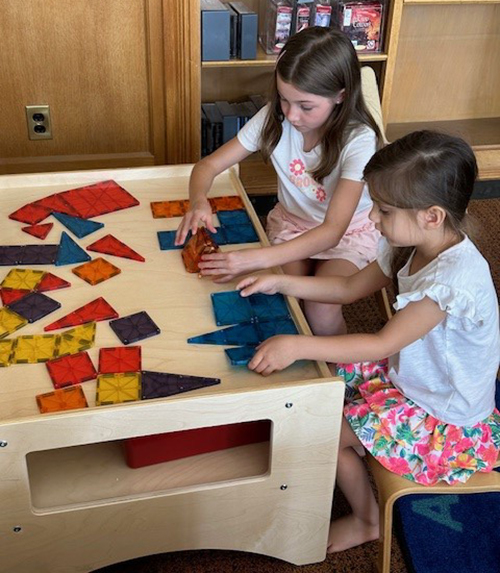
{"points": [[39, 123]]}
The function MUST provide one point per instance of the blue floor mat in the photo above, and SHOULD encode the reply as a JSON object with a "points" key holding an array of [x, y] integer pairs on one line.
{"points": [[450, 533]]}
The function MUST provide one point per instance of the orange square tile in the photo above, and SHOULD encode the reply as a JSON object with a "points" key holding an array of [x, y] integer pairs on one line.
{"points": [[164, 209], [70, 398], [96, 271], [227, 203]]}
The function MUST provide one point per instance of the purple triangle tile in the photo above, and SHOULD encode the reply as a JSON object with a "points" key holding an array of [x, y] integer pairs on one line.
{"points": [[34, 306], [161, 385]]}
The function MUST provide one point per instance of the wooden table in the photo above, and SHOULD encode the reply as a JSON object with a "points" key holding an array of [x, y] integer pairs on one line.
{"points": [[70, 502]]}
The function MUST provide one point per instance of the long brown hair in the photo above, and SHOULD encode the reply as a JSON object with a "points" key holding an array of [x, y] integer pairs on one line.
{"points": [[320, 61], [421, 170]]}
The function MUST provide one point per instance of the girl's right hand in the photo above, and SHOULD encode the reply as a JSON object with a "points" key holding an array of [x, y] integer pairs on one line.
{"points": [[200, 212], [266, 284]]}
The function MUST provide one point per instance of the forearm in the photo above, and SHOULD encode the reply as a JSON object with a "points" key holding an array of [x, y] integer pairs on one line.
{"points": [[333, 290], [346, 348], [200, 182]]}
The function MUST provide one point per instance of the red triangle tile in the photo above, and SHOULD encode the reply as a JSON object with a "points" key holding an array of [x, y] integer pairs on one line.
{"points": [[10, 295], [112, 246], [39, 231], [51, 282], [96, 310]]}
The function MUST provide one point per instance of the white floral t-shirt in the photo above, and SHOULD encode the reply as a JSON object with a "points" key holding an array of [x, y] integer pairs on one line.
{"points": [[298, 192]]}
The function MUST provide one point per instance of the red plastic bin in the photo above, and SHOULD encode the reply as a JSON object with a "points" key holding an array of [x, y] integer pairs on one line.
{"points": [[158, 448]]}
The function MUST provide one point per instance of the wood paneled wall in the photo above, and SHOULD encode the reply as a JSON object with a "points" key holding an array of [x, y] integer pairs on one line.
{"points": [[100, 65]]}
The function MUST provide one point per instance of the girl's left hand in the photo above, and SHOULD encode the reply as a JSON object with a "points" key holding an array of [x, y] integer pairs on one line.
{"points": [[226, 266], [276, 353]]}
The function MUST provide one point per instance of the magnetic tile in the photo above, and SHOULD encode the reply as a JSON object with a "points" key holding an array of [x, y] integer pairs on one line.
{"points": [[51, 282], [112, 246], [34, 306], [69, 252], [22, 279], [71, 398], [70, 370], [77, 339], [35, 348], [10, 321], [98, 199], [134, 327], [79, 227], [236, 217], [229, 203], [240, 234], [238, 335], [166, 209], [269, 307], [38, 231], [6, 348], [39, 255], [55, 202], [198, 245], [240, 356], [247, 333], [161, 385], [96, 310], [118, 388], [9, 295], [166, 240], [275, 327], [30, 214], [10, 255], [96, 271], [231, 308], [119, 359]]}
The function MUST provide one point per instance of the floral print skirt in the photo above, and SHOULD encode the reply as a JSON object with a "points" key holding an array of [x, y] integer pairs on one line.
{"points": [[407, 440]]}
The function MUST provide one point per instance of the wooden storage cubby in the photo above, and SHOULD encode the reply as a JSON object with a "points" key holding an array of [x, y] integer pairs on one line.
{"points": [[445, 74]]}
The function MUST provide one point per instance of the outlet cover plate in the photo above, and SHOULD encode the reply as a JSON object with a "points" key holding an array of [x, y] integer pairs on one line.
{"points": [[39, 122]]}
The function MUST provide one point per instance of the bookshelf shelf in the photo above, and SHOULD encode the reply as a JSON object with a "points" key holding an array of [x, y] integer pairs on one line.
{"points": [[264, 60]]}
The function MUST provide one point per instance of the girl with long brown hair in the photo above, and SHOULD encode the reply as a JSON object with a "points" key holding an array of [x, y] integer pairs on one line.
{"points": [[318, 134]]}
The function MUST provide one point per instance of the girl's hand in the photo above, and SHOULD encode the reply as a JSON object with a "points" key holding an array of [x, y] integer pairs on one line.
{"points": [[275, 353], [226, 266], [266, 284], [200, 211]]}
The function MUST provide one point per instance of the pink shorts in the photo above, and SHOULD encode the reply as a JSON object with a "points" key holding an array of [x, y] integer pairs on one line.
{"points": [[358, 245]]}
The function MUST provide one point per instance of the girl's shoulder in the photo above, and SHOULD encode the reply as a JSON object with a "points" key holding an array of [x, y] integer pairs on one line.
{"points": [[359, 133]]}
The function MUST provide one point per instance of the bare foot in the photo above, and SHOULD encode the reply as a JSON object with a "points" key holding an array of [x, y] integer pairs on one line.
{"points": [[349, 531]]}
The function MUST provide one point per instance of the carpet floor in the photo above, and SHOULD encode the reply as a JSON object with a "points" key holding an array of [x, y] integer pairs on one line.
{"points": [[363, 316]]}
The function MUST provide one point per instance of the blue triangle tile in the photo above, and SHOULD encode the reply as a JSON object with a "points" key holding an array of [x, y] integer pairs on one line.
{"points": [[69, 252], [238, 335], [240, 356], [79, 227]]}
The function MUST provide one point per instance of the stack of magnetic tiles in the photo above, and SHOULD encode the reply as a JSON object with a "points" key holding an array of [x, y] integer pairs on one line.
{"points": [[255, 319]]}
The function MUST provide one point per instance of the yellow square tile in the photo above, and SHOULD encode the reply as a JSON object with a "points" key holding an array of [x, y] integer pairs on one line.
{"points": [[117, 388], [10, 321], [22, 279], [36, 348], [77, 339], [6, 347]]}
